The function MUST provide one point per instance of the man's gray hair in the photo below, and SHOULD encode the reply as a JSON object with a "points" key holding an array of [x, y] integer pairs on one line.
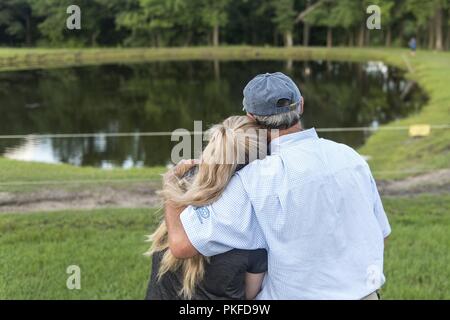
{"points": [[279, 121]]}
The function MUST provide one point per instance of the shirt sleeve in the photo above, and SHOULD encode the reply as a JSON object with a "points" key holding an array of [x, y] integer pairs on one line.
{"points": [[380, 214], [257, 261], [229, 223]]}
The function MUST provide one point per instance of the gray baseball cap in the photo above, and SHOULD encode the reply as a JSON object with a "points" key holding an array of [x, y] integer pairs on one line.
{"points": [[262, 93]]}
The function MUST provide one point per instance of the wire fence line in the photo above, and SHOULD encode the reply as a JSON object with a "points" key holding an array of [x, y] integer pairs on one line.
{"points": [[186, 133], [153, 180], [64, 182]]}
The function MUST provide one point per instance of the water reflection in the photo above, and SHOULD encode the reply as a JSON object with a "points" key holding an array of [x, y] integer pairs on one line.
{"points": [[163, 96], [32, 149]]}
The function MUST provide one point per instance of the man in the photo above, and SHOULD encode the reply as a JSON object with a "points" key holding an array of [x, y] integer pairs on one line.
{"points": [[413, 45], [312, 203]]}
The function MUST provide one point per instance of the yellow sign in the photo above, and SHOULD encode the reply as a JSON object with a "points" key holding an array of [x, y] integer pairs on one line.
{"points": [[419, 130]]}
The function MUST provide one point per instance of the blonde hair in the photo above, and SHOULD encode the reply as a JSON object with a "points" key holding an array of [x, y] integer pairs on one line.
{"points": [[235, 141]]}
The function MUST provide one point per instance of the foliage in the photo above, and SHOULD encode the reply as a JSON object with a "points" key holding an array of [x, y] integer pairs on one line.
{"points": [[187, 22]]}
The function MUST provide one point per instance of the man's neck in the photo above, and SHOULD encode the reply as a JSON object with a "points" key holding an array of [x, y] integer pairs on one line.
{"points": [[273, 134]]}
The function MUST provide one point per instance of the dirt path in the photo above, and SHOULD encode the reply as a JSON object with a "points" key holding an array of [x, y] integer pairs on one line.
{"points": [[141, 195], [435, 182], [138, 195]]}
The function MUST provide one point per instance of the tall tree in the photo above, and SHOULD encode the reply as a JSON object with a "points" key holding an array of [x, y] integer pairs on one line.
{"points": [[160, 18], [16, 17], [347, 14], [285, 20], [326, 15], [387, 16], [214, 15], [53, 14], [447, 38], [308, 7], [306, 26], [131, 19], [439, 7], [429, 16]]}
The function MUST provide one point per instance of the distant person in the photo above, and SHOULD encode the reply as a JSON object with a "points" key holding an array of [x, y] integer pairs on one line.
{"points": [[312, 203], [235, 274], [413, 46]]}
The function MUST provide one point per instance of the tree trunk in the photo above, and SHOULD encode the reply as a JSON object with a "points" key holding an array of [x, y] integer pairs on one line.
{"points": [[447, 39], [388, 36], [188, 41], [94, 37], [28, 31], [401, 32], [216, 35], [306, 27], [329, 37], [431, 34], [351, 38], [306, 30], [288, 40], [361, 36], [419, 37], [367, 38], [158, 40], [438, 28], [254, 37]]}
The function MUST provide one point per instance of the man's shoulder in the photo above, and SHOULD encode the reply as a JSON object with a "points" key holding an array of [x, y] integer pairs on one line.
{"points": [[260, 166], [259, 171], [335, 144], [341, 150]]}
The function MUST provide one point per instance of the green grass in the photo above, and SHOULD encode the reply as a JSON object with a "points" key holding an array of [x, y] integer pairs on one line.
{"points": [[24, 176], [393, 153], [417, 259], [36, 248]]}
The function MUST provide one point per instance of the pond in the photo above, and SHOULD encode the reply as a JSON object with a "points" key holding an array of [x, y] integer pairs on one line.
{"points": [[163, 96]]}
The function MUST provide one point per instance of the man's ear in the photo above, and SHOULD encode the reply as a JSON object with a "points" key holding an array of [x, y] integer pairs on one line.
{"points": [[302, 106]]}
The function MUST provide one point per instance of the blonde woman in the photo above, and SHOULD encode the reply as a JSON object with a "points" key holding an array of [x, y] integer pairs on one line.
{"points": [[236, 274]]}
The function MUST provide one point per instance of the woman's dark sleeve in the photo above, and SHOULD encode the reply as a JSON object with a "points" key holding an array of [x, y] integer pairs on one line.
{"points": [[257, 261]]}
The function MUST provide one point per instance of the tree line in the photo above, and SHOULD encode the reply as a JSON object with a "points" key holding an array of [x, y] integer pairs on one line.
{"points": [[158, 23]]}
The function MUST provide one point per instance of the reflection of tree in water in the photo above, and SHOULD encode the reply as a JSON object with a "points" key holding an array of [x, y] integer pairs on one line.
{"points": [[163, 96], [344, 95]]}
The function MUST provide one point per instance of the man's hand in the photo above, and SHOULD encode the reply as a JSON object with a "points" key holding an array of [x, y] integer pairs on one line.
{"points": [[179, 243]]}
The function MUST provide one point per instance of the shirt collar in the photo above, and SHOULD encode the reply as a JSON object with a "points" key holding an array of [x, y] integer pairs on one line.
{"points": [[292, 138]]}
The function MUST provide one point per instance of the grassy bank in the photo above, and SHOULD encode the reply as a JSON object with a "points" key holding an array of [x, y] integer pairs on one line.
{"points": [[28, 176], [393, 153], [35, 250], [23, 59]]}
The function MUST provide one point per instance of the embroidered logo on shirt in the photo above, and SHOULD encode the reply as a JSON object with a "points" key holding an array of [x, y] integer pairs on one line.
{"points": [[202, 213]]}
